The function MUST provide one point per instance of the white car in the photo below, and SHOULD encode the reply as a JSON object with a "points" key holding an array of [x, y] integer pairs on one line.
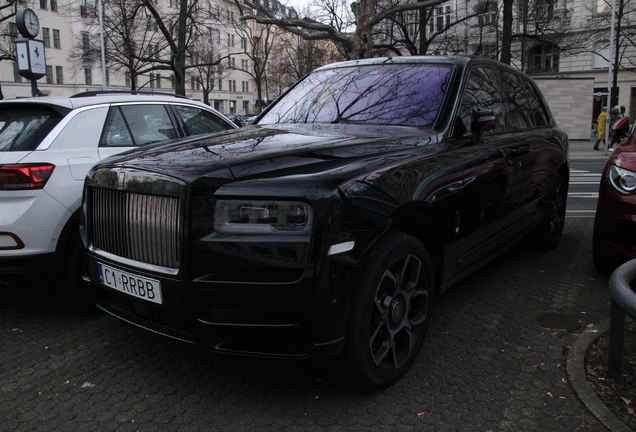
{"points": [[47, 145]]}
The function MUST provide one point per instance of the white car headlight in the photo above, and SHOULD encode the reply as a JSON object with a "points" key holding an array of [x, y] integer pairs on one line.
{"points": [[262, 217], [624, 181]]}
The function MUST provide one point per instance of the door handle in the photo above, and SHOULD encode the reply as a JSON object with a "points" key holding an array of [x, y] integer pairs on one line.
{"points": [[520, 150]]}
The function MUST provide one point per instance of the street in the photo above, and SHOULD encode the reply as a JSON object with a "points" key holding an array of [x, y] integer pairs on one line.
{"points": [[489, 362], [583, 194]]}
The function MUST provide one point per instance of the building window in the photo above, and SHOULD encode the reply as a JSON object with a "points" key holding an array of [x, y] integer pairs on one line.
{"points": [[86, 43], [151, 24], [220, 85], [440, 19], [158, 80], [191, 83], [127, 79], [42, 4], [601, 56], [243, 43], [152, 81], [88, 78], [172, 83], [230, 40], [56, 39], [53, 5], [16, 75], [107, 77], [46, 37], [49, 74], [246, 107], [487, 50], [83, 11], [543, 58], [487, 13], [59, 78], [13, 30], [545, 9]]}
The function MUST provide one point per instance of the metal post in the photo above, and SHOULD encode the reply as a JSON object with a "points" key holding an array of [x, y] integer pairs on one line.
{"points": [[616, 341], [101, 38], [609, 79], [34, 88]]}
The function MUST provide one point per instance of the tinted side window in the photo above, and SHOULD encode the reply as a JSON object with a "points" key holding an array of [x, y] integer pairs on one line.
{"points": [[135, 125], [539, 115], [22, 128], [197, 121], [481, 91], [516, 102]]}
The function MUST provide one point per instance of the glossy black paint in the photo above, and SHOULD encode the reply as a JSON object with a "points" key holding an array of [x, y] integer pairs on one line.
{"points": [[466, 201]]}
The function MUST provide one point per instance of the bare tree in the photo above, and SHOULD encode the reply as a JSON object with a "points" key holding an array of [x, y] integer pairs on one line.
{"points": [[8, 31], [208, 67], [624, 42], [357, 43], [131, 39], [257, 44]]}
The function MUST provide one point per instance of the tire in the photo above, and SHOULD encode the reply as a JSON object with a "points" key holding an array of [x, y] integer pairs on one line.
{"points": [[390, 314], [550, 229], [73, 289]]}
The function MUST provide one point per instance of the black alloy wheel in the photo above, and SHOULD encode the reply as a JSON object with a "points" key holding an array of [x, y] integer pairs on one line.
{"points": [[391, 312]]}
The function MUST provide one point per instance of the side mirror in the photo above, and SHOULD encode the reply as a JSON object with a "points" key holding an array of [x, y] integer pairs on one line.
{"points": [[621, 125]]}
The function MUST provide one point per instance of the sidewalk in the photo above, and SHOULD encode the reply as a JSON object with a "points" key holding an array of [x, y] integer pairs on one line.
{"points": [[584, 150]]}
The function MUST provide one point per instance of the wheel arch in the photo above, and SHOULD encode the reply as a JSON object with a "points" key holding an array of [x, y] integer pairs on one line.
{"points": [[420, 223], [70, 230]]}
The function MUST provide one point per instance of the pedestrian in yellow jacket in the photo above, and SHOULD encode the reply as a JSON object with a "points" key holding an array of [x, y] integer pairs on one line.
{"points": [[600, 122]]}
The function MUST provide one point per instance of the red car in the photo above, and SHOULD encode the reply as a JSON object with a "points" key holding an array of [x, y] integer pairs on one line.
{"points": [[614, 240]]}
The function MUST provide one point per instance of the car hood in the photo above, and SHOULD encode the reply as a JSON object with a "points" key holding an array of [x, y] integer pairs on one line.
{"points": [[279, 150]]}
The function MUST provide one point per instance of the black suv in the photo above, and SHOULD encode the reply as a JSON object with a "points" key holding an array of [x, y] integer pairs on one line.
{"points": [[327, 229]]}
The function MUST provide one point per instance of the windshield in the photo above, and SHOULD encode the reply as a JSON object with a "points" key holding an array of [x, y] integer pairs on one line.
{"points": [[22, 128], [395, 94]]}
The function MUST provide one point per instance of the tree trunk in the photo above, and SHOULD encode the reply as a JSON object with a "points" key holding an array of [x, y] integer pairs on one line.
{"points": [[506, 39], [179, 57]]}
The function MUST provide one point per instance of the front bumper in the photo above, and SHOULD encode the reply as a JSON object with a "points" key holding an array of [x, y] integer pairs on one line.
{"points": [[291, 319]]}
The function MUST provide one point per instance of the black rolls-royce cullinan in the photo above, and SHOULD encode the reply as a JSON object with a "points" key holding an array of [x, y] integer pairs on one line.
{"points": [[327, 228]]}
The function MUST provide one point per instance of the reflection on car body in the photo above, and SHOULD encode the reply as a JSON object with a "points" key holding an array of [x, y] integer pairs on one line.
{"points": [[327, 229]]}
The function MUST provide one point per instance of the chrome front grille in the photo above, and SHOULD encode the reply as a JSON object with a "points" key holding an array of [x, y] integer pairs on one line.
{"points": [[144, 228]]}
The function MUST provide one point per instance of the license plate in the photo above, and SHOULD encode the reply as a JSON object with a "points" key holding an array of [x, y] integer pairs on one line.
{"points": [[129, 283]]}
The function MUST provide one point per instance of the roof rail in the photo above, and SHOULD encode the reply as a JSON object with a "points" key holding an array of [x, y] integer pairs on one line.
{"points": [[114, 92]]}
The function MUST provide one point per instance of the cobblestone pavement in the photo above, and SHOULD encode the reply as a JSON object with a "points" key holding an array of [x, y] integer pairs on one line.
{"points": [[487, 364]]}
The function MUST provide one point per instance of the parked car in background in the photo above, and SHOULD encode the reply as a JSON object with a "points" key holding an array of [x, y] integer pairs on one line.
{"points": [[614, 238], [327, 229], [47, 145]]}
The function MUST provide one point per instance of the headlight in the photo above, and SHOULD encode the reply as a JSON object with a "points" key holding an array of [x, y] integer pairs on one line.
{"points": [[624, 181], [262, 217]]}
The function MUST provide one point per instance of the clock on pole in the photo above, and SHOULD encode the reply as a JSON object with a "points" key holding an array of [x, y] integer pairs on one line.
{"points": [[28, 23], [29, 51]]}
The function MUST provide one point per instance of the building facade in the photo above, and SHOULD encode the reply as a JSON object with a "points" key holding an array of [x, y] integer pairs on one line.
{"points": [[70, 32], [563, 44]]}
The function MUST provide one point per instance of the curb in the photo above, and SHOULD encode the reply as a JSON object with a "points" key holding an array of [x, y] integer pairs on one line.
{"points": [[575, 370]]}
